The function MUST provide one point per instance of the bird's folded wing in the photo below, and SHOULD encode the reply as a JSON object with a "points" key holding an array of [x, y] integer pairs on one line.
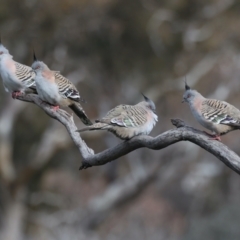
{"points": [[118, 110], [25, 75], [113, 113], [66, 88], [130, 120], [220, 112]]}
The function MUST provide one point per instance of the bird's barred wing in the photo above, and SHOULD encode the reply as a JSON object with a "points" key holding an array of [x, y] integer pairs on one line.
{"points": [[113, 113], [220, 112], [66, 88], [133, 116], [116, 111], [25, 75]]}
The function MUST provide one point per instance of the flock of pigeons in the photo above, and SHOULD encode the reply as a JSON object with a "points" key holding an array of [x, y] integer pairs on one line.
{"points": [[125, 121]]}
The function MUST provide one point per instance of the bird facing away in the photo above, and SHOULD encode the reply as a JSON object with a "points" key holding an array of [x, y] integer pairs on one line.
{"points": [[17, 78], [127, 121], [218, 116], [57, 90]]}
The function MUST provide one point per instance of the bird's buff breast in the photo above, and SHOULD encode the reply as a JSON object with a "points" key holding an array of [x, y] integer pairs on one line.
{"points": [[196, 111], [47, 91], [10, 81]]}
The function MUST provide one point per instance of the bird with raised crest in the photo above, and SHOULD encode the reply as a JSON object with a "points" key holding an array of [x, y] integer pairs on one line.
{"points": [[127, 121], [17, 78], [218, 116], [57, 90]]}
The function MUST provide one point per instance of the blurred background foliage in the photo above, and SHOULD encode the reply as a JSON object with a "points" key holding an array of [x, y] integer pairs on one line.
{"points": [[113, 51]]}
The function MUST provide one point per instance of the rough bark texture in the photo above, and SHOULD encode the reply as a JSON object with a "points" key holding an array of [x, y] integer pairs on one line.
{"points": [[182, 133]]}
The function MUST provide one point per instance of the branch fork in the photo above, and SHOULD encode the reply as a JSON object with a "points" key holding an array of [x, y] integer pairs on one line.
{"points": [[181, 133]]}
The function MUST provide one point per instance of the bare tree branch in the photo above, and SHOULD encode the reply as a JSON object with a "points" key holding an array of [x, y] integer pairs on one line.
{"points": [[182, 133], [64, 118]]}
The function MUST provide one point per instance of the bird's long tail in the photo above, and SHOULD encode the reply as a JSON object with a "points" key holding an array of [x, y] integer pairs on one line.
{"points": [[78, 110], [31, 90], [95, 126]]}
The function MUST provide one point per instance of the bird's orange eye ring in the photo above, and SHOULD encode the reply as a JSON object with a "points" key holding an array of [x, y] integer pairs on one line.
{"points": [[188, 96], [1, 53]]}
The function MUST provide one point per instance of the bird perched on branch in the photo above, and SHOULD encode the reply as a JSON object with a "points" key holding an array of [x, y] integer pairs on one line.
{"points": [[126, 121], [17, 78], [218, 116], [57, 90]]}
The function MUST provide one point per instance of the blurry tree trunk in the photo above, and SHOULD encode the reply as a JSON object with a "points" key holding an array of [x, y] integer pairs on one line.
{"points": [[14, 207], [14, 219]]}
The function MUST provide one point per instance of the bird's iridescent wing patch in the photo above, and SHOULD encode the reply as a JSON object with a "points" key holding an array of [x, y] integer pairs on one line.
{"points": [[220, 112]]}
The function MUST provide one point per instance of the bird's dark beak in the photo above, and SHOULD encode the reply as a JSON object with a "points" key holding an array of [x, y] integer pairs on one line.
{"points": [[183, 101], [31, 71]]}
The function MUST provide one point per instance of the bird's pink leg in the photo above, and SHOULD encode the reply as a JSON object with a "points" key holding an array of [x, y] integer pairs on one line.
{"points": [[213, 136], [15, 94], [216, 137], [55, 108]]}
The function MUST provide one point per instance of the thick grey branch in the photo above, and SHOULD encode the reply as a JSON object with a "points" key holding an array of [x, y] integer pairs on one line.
{"points": [[64, 118], [182, 133]]}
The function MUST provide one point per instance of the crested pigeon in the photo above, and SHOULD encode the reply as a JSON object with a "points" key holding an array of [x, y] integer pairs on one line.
{"points": [[127, 121], [218, 116], [57, 90], [17, 78]]}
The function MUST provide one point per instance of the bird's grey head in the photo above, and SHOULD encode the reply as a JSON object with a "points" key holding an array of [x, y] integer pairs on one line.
{"points": [[149, 103], [3, 50], [38, 66], [189, 94]]}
